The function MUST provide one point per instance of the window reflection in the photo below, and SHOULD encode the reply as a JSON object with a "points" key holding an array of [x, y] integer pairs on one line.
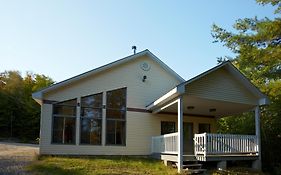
{"points": [[64, 122], [116, 117], [91, 119]]}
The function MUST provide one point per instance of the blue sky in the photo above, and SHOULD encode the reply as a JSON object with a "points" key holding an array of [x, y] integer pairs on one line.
{"points": [[64, 38]]}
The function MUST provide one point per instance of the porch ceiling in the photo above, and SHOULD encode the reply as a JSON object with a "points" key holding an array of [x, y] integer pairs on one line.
{"points": [[209, 107]]}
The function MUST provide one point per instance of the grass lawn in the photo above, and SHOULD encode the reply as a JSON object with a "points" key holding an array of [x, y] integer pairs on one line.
{"points": [[48, 165], [98, 165]]}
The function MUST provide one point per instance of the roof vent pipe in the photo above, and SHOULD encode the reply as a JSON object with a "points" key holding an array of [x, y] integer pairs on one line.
{"points": [[134, 48]]}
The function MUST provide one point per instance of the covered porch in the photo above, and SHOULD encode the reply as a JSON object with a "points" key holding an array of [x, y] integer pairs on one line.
{"points": [[218, 92]]}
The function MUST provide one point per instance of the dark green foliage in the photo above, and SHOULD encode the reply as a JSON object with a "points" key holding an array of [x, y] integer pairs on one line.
{"points": [[240, 124], [257, 45], [19, 113]]}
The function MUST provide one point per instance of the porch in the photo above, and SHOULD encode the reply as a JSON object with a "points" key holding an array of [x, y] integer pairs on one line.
{"points": [[219, 92]]}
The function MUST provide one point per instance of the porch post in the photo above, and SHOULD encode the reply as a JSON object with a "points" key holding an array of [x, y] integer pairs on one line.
{"points": [[180, 134], [257, 163]]}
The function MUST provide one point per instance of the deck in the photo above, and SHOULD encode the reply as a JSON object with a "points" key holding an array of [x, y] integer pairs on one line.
{"points": [[208, 147], [218, 157]]}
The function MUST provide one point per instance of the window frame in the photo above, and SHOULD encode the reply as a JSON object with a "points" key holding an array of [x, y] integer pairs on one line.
{"points": [[101, 119], [116, 119], [64, 116]]}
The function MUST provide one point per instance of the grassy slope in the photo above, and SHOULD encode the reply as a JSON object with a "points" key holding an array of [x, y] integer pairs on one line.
{"points": [[98, 165]]}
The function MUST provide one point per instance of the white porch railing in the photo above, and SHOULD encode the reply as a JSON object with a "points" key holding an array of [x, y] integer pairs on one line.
{"points": [[208, 144], [167, 143], [211, 144]]}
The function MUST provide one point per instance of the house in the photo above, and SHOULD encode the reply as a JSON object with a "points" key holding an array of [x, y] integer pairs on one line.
{"points": [[139, 106]]}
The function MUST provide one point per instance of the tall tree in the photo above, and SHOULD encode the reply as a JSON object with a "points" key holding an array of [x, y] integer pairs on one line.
{"points": [[257, 47], [19, 113]]}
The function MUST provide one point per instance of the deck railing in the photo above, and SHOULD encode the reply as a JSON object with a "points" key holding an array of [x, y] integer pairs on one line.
{"points": [[167, 143], [211, 144], [208, 144]]}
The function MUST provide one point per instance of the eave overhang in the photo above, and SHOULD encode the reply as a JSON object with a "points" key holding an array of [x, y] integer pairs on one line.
{"points": [[167, 99]]}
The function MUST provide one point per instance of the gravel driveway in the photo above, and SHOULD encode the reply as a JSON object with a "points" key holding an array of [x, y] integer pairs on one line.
{"points": [[14, 156]]}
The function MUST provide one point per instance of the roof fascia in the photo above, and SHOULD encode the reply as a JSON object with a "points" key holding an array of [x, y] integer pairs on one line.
{"points": [[166, 98]]}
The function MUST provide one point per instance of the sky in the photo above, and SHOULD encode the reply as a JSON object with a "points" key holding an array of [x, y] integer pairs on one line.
{"points": [[64, 38]]}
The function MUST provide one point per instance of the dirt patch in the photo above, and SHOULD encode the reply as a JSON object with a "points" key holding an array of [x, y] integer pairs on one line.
{"points": [[14, 156]]}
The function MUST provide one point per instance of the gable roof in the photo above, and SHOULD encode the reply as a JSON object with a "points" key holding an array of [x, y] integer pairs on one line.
{"points": [[39, 94], [180, 89], [235, 72]]}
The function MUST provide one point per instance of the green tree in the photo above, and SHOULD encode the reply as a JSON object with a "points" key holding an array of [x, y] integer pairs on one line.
{"points": [[257, 47], [19, 113]]}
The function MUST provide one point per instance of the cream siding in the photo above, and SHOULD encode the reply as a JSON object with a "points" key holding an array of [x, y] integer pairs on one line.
{"points": [[221, 85], [140, 126], [127, 75]]}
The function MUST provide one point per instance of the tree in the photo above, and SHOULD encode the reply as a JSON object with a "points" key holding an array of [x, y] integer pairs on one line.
{"points": [[257, 47], [19, 113]]}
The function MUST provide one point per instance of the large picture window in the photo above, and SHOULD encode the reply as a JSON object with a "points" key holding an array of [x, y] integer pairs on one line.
{"points": [[91, 119], [116, 117], [64, 120]]}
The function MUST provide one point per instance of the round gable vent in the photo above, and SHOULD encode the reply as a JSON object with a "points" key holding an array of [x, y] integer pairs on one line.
{"points": [[145, 66]]}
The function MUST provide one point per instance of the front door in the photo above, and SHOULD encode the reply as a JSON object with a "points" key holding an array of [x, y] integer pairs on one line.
{"points": [[188, 137]]}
